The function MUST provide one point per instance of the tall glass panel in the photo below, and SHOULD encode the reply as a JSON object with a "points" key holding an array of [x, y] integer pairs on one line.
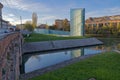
{"points": [[77, 22]]}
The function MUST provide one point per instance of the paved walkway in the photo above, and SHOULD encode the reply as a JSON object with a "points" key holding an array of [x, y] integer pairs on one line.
{"points": [[59, 44]]}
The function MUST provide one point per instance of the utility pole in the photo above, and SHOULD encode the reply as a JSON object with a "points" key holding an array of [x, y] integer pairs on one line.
{"points": [[1, 6], [21, 22], [1, 21]]}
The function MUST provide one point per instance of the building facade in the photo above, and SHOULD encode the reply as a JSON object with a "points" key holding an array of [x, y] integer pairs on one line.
{"points": [[43, 26], [97, 23], [59, 24], [77, 22], [3, 24], [62, 24]]}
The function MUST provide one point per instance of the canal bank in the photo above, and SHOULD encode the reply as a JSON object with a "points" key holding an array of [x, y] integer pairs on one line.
{"points": [[30, 48]]}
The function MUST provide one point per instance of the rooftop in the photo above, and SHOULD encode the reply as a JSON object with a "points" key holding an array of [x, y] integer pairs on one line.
{"points": [[104, 18]]}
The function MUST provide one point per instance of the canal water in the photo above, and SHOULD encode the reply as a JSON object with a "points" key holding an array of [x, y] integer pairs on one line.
{"points": [[41, 60]]}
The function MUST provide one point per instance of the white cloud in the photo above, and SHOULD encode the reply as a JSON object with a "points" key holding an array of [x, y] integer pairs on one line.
{"points": [[48, 18], [38, 7], [26, 6], [24, 20], [104, 12], [13, 19], [11, 15], [51, 15]]}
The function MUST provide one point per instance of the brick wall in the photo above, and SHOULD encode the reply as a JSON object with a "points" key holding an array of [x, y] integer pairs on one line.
{"points": [[10, 56]]}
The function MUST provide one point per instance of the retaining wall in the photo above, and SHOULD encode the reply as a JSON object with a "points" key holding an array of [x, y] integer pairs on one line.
{"points": [[10, 56]]}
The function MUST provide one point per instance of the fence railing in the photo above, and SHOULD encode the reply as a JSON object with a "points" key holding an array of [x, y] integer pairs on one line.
{"points": [[47, 31]]}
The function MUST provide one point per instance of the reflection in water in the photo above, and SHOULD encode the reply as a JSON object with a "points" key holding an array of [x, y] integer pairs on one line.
{"points": [[110, 48], [110, 43], [77, 53], [33, 62]]}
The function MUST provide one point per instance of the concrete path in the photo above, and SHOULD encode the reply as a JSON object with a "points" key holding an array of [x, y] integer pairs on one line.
{"points": [[59, 44]]}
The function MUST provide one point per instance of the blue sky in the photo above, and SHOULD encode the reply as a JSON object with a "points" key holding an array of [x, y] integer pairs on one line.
{"points": [[49, 10]]}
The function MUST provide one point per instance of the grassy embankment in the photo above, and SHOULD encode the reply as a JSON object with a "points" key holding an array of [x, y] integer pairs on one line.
{"points": [[101, 67], [42, 37], [104, 66]]}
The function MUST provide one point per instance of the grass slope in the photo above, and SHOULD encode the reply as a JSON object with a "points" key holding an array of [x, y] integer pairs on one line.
{"points": [[104, 66], [42, 37]]}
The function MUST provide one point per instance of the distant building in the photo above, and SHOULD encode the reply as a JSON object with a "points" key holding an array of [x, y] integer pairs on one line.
{"points": [[77, 22], [61, 24], [20, 26], [3, 23], [97, 23], [34, 19], [42, 26]]}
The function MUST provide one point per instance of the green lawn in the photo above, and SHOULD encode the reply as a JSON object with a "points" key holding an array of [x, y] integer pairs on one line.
{"points": [[105, 66], [42, 37]]}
